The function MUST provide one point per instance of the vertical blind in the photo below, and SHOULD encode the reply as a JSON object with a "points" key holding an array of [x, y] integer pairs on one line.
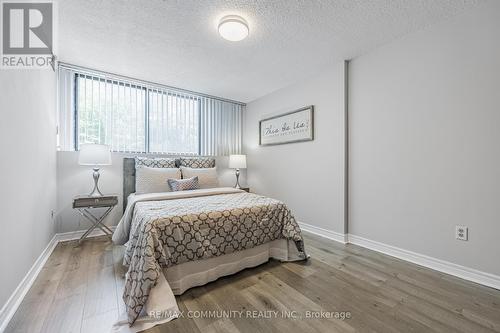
{"points": [[221, 130], [136, 116], [173, 123]]}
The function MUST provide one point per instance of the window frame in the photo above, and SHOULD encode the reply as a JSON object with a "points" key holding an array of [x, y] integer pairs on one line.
{"points": [[147, 132]]}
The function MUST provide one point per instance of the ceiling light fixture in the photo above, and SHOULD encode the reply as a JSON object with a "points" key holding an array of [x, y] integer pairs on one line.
{"points": [[233, 28]]}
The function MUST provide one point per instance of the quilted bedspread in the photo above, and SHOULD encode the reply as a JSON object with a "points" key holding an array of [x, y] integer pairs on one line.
{"points": [[163, 233]]}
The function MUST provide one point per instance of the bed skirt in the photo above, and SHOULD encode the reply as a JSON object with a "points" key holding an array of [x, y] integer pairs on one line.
{"points": [[177, 279]]}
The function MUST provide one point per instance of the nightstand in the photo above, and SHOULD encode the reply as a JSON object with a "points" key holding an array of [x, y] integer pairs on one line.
{"points": [[85, 203], [246, 189]]}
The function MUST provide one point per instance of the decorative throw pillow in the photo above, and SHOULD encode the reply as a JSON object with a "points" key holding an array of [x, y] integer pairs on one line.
{"points": [[183, 184], [159, 162], [197, 162], [154, 180], [207, 177]]}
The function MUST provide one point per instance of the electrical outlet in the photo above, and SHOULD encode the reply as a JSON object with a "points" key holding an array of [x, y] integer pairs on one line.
{"points": [[461, 232]]}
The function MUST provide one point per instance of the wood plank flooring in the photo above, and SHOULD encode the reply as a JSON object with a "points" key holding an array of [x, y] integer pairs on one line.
{"points": [[79, 290]]}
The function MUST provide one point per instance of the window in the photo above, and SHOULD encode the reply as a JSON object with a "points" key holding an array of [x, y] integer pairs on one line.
{"points": [[110, 112], [133, 116]]}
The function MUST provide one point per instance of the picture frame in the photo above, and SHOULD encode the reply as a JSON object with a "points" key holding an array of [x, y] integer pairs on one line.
{"points": [[290, 127]]}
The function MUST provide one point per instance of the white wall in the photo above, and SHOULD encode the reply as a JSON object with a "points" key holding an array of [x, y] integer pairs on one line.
{"points": [[307, 176], [28, 169], [74, 179], [424, 143]]}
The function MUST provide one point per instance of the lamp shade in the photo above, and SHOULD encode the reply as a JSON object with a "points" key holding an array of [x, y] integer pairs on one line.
{"points": [[94, 154], [237, 161]]}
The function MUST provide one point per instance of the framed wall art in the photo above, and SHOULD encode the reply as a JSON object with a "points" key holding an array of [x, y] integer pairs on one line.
{"points": [[294, 126]]}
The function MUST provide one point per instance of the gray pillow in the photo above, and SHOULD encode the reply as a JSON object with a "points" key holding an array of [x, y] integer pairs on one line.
{"points": [[197, 162], [183, 184], [159, 162]]}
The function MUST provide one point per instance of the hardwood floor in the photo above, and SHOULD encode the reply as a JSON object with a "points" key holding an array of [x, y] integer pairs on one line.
{"points": [[79, 290]]}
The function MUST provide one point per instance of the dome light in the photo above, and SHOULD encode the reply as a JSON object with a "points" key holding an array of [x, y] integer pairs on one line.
{"points": [[233, 28]]}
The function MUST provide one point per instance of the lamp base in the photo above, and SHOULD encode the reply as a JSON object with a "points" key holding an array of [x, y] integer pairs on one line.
{"points": [[237, 185], [96, 192]]}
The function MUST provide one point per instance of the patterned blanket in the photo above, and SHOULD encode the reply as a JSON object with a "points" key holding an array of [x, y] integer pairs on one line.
{"points": [[170, 232]]}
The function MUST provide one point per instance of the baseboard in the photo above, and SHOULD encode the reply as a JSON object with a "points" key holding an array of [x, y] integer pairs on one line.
{"points": [[447, 267], [10, 307], [333, 235]]}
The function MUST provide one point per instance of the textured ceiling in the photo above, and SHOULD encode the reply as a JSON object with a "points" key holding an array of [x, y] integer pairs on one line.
{"points": [[176, 42]]}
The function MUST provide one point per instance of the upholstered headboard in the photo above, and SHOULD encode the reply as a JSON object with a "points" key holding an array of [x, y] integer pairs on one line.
{"points": [[128, 179]]}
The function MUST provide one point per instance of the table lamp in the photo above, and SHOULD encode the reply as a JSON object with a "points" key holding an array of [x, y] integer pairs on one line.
{"points": [[237, 162], [95, 155]]}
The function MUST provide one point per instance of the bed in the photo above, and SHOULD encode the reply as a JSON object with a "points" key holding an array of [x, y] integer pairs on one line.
{"points": [[178, 240]]}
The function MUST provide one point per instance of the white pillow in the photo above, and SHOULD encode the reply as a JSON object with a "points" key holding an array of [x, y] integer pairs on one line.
{"points": [[154, 180], [207, 177]]}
